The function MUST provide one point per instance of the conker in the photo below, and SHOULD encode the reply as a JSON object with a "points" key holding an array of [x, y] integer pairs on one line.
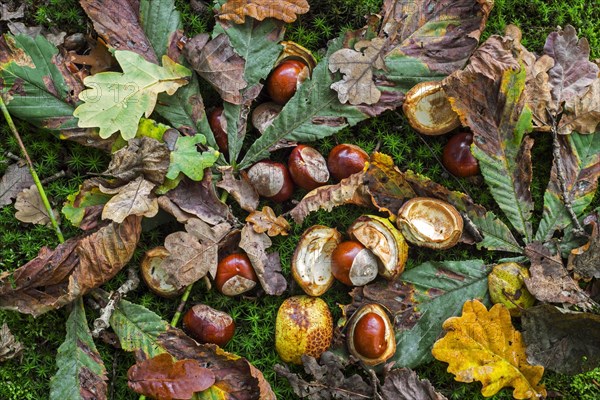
{"points": [[218, 126], [308, 167], [207, 325], [345, 160], [235, 275], [353, 264], [457, 156], [370, 335], [284, 79], [271, 180]]}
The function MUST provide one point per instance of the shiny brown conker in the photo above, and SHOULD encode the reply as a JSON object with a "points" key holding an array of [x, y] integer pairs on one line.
{"points": [[346, 159], [284, 79], [235, 275], [271, 180], [308, 167], [218, 126], [370, 335], [353, 264], [207, 325], [457, 157]]}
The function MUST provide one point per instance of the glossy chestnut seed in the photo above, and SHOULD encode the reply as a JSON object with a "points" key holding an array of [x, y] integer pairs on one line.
{"points": [[271, 180], [308, 167], [235, 275], [207, 325], [370, 336], [218, 126], [284, 79], [345, 160], [353, 264], [457, 156]]}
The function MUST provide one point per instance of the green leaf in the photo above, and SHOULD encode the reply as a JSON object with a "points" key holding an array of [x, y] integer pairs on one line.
{"points": [[35, 85], [116, 101], [580, 156], [81, 373], [496, 235], [77, 203], [138, 328], [440, 289], [186, 158], [159, 20]]}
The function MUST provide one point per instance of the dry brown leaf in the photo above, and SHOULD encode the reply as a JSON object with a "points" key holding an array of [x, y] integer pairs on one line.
{"points": [[583, 114], [284, 10], [99, 58], [357, 86], [134, 198], [537, 90], [240, 189], [267, 221], [15, 179], [482, 345], [404, 384], [585, 260], [7, 15], [142, 156], [57, 277], [9, 346], [163, 378], [30, 208], [266, 266]]}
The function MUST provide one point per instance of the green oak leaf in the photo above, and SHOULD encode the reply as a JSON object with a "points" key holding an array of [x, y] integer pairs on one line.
{"points": [[116, 101], [186, 158]]}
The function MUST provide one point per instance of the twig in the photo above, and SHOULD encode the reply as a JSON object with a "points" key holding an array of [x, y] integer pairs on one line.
{"points": [[34, 175], [55, 177], [14, 157], [102, 322], [181, 306]]}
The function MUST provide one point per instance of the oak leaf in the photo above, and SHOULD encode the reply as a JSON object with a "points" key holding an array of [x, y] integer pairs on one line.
{"points": [[134, 198], [9, 346], [142, 156], [186, 158], [15, 179], [163, 378], [357, 65], [483, 345], [267, 221], [30, 207], [404, 384], [236, 11], [240, 189]]}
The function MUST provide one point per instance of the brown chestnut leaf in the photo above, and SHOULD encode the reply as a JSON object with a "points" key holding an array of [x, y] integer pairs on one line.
{"points": [[240, 189], [404, 384], [134, 198], [267, 221], [30, 207], [327, 379], [163, 378], [357, 86], [266, 266], [9, 346], [16, 179], [286, 10], [550, 281], [57, 277], [142, 156], [563, 341], [217, 62], [350, 190]]}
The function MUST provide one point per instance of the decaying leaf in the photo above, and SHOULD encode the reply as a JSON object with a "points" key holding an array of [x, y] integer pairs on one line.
{"points": [[187, 159], [193, 253], [404, 384], [419, 299], [116, 101], [134, 198], [350, 190], [583, 114], [143, 332], [585, 260], [240, 189], [267, 221], [16, 179], [266, 266], [216, 61], [57, 277], [163, 378], [200, 199], [489, 98], [9, 346], [30, 207], [236, 11], [81, 373], [550, 280], [99, 58], [328, 379], [84, 208], [357, 66], [7, 15], [142, 156], [563, 341], [482, 345]]}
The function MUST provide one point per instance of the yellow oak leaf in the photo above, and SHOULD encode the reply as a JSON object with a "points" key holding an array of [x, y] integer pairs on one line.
{"points": [[237, 10], [267, 221], [483, 345]]}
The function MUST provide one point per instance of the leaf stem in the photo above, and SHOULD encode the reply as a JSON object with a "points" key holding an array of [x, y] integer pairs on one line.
{"points": [[36, 179], [181, 305]]}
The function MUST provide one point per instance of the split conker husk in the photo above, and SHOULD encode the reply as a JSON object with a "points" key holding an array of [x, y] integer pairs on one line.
{"points": [[235, 275], [154, 274], [457, 157], [308, 167], [353, 264], [370, 336], [428, 109], [207, 325], [271, 180], [346, 159]]}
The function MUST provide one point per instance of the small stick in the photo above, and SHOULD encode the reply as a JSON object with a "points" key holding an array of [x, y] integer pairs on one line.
{"points": [[14, 157], [181, 306], [55, 177]]}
